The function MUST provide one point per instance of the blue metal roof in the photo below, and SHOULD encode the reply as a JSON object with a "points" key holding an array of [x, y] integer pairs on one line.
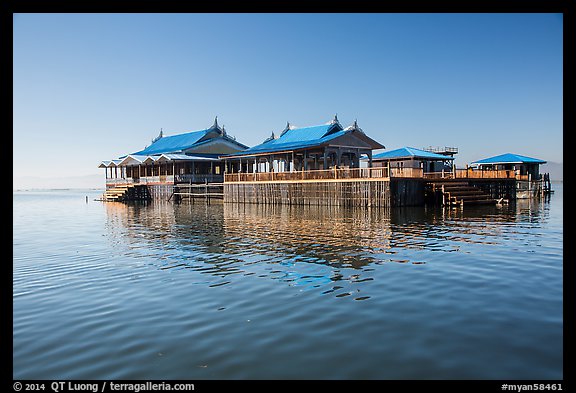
{"points": [[304, 134], [174, 143], [297, 138], [410, 152], [510, 158], [197, 157]]}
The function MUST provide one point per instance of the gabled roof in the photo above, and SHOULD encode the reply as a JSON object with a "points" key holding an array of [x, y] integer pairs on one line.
{"points": [[133, 159], [409, 152], [304, 134], [293, 138], [297, 138], [174, 143], [109, 163], [509, 158], [104, 164], [181, 142]]}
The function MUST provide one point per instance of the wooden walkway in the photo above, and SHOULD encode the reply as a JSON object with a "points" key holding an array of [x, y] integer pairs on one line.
{"points": [[125, 192]]}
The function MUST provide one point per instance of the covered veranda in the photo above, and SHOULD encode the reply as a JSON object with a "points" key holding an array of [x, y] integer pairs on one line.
{"points": [[163, 169]]}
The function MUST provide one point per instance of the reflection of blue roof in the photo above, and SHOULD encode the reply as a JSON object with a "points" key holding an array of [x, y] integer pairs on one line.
{"points": [[410, 152], [297, 138], [509, 158], [174, 143]]}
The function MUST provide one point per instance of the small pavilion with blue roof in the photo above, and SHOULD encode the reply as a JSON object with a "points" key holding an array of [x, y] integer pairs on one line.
{"points": [[523, 166], [306, 148], [410, 157]]}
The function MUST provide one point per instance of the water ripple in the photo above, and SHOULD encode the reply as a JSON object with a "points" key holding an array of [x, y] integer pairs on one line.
{"points": [[192, 291]]}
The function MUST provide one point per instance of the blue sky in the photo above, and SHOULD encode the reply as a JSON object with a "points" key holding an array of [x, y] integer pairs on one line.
{"points": [[92, 87]]}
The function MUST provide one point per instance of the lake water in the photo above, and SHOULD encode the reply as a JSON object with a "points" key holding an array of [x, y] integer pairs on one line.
{"points": [[221, 291]]}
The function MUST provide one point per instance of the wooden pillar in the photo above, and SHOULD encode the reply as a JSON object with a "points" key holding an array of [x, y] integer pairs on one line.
{"points": [[370, 159], [305, 160], [325, 160]]}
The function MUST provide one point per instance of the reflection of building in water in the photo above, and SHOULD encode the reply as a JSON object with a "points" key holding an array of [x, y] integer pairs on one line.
{"points": [[316, 234], [158, 219], [306, 246]]}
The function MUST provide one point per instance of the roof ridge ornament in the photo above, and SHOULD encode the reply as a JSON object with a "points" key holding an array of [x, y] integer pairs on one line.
{"points": [[335, 120], [158, 137], [288, 128], [356, 126], [215, 125], [270, 138]]}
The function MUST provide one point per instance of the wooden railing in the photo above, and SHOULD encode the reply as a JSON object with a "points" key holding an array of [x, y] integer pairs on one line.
{"points": [[366, 173], [198, 178], [119, 181], [476, 174], [406, 172], [325, 174], [169, 179], [439, 175]]}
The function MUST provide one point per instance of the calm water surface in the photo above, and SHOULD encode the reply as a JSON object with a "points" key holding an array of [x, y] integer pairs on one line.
{"points": [[222, 291]]}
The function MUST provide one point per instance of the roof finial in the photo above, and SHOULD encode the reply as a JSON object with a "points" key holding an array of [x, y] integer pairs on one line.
{"points": [[223, 130], [335, 120], [285, 130], [158, 137], [270, 138], [215, 125], [355, 126]]}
